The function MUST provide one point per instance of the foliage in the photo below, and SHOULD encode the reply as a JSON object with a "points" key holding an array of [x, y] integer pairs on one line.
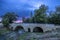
{"points": [[3, 30], [23, 36], [28, 20], [55, 16], [40, 14], [5, 22], [11, 16], [8, 18]]}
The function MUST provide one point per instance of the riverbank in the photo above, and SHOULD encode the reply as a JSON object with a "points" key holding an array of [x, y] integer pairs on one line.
{"points": [[50, 35], [3, 30]]}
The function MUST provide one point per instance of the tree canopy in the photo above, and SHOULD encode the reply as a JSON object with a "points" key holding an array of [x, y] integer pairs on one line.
{"points": [[8, 18], [55, 16], [40, 15]]}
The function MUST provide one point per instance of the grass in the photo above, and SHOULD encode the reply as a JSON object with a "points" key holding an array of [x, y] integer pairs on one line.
{"points": [[3, 30], [38, 33], [22, 37], [33, 39]]}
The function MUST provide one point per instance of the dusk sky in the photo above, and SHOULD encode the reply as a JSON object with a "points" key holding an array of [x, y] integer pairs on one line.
{"points": [[24, 7]]}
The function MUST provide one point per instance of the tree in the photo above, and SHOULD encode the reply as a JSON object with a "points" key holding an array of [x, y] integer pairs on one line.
{"points": [[8, 18], [40, 14], [55, 16], [5, 22], [31, 18], [28, 20], [57, 8]]}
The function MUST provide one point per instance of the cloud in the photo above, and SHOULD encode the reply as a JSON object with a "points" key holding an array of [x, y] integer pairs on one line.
{"points": [[18, 4], [24, 5]]}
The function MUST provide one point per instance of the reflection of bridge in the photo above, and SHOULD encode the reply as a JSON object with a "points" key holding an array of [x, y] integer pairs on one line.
{"points": [[33, 27]]}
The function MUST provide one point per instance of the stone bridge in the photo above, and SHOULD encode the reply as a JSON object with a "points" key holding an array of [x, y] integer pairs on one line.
{"points": [[32, 27]]}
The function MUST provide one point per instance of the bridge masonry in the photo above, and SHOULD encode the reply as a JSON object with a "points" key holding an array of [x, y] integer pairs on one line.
{"points": [[31, 26]]}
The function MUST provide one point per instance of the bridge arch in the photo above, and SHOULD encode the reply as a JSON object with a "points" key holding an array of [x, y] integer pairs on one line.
{"points": [[38, 29], [19, 27]]}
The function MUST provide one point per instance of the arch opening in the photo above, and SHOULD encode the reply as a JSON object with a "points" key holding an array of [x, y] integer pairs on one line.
{"points": [[38, 29], [19, 28], [28, 29]]}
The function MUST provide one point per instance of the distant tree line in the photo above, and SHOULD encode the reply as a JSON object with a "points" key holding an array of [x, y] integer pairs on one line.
{"points": [[41, 16]]}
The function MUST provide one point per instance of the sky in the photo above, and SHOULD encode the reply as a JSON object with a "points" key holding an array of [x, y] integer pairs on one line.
{"points": [[24, 7]]}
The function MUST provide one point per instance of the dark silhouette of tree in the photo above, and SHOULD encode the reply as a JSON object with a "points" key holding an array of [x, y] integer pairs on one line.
{"points": [[40, 14], [8, 18], [55, 16]]}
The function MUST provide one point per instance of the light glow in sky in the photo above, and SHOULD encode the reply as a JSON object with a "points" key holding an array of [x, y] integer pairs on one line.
{"points": [[24, 7]]}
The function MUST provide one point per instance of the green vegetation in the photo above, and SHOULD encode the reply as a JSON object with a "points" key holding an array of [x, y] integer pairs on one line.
{"points": [[3, 30], [41, 16], [8, 18], [22, 37], [25, 36], [33, 39], [10, 38], [55, 16]]}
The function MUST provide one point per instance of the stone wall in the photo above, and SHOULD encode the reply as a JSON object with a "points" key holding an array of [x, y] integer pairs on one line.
{"points": [[44, 27]]}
